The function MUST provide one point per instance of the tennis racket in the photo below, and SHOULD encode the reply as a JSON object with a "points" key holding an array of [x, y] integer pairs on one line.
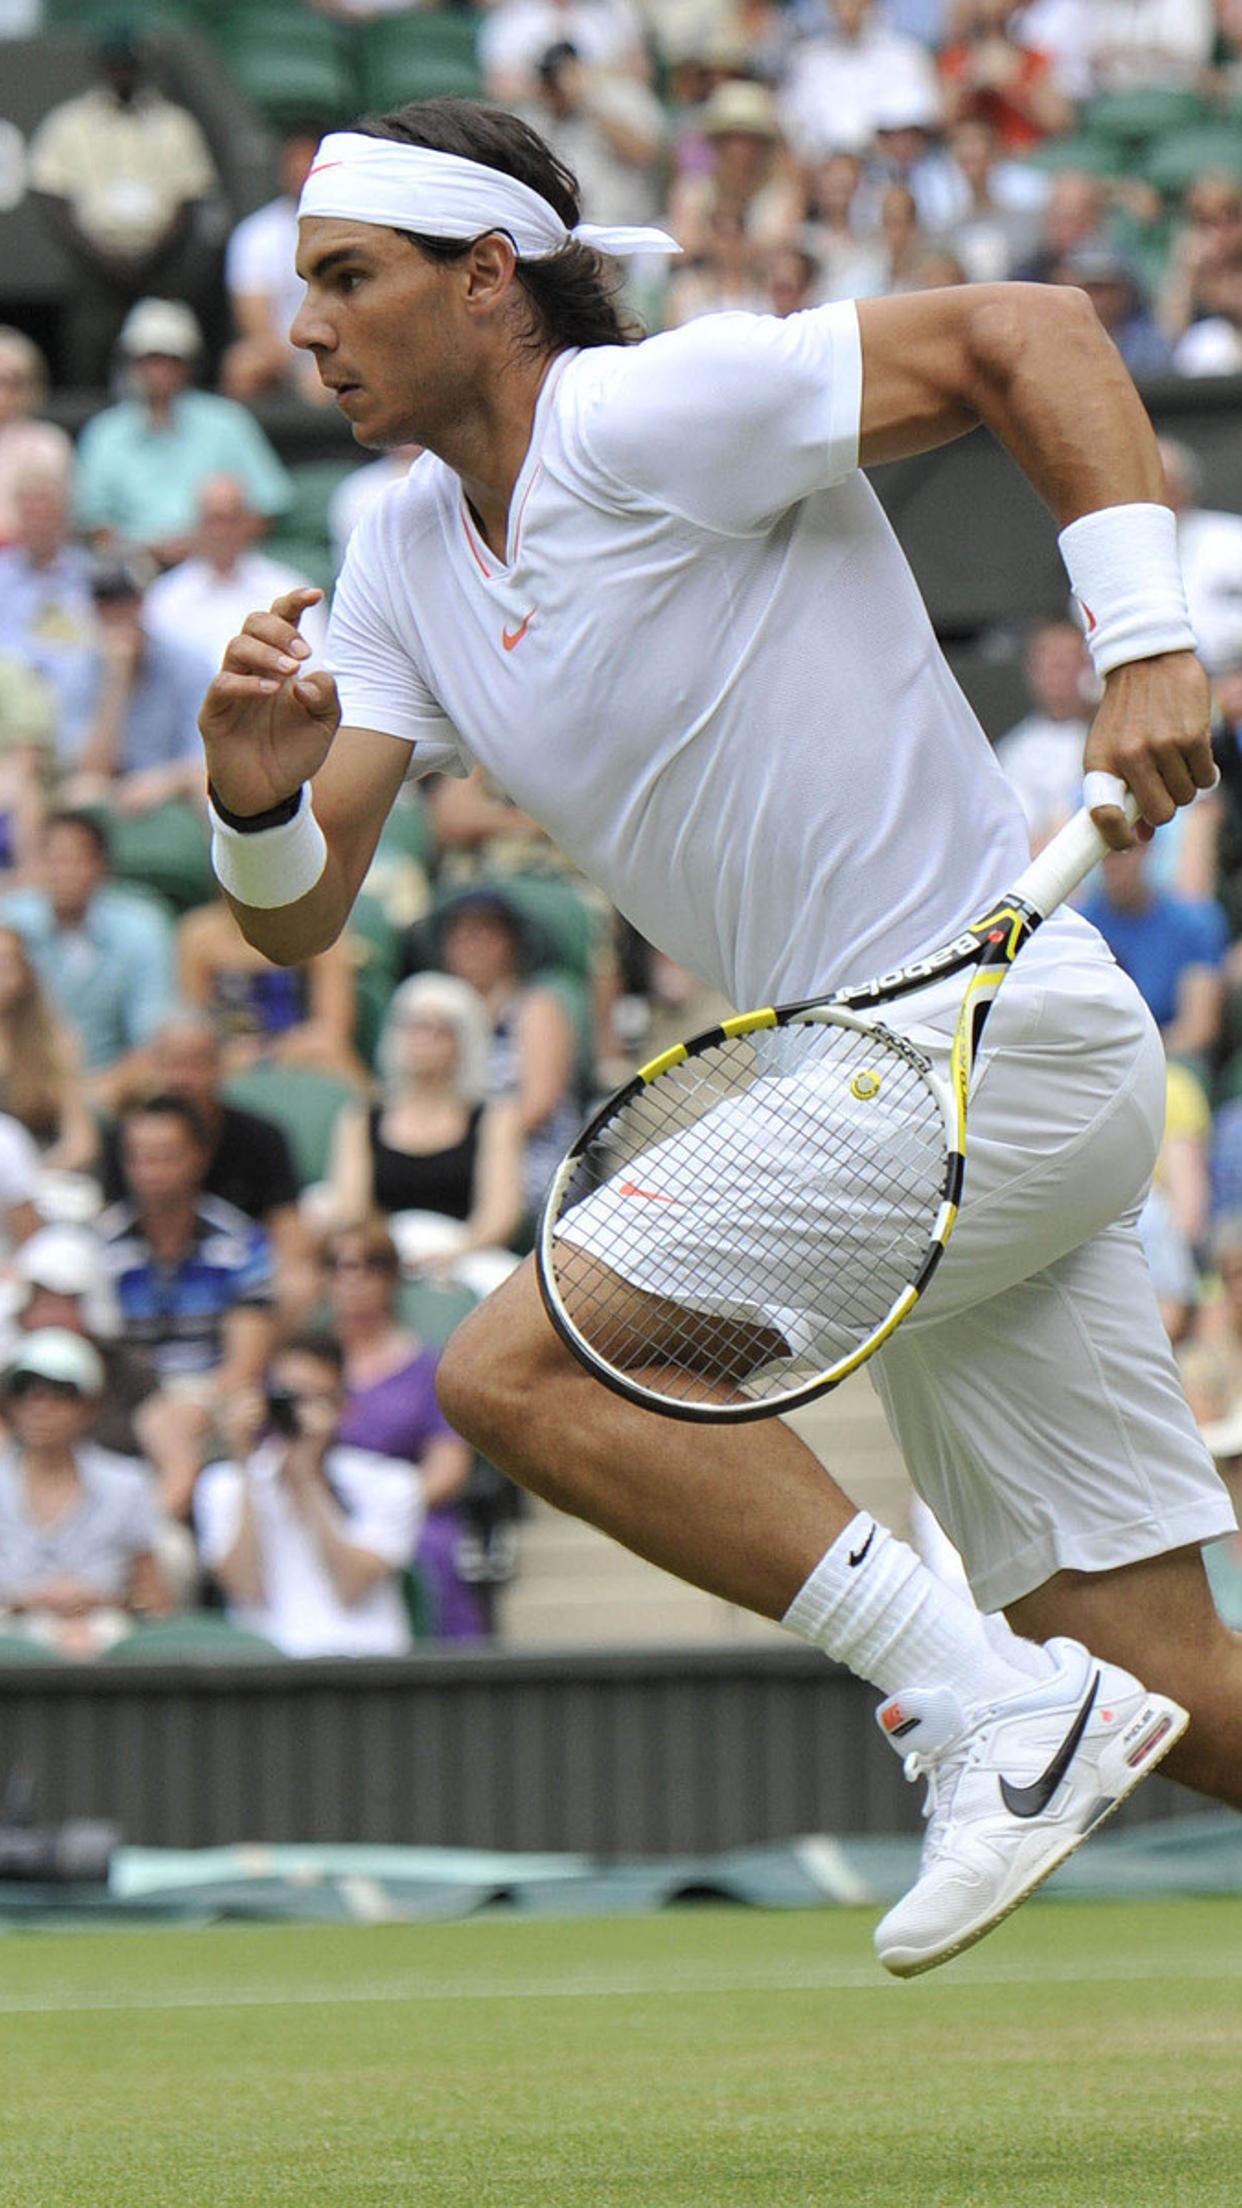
{"points": [[748, 1218]]}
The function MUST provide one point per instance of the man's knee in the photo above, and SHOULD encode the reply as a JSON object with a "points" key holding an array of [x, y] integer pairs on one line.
{"points": [[489, 1376]]}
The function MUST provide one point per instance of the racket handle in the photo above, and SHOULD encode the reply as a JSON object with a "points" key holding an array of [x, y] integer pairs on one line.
{"points": [[1067, 860]]}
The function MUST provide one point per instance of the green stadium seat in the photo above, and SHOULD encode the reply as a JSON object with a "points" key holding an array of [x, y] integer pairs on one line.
{"points": [[424, 55], [434, 1308], [1177, 160], [419, 1598], [305, 1103], [287, 59], [302, 535], [1141, 117], [16, 1649], [168, 851], [201, 1636], [90, 17], [1098, 156]]}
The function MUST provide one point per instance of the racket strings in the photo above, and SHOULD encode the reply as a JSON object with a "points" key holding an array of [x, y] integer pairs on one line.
{"points": [[751, 1214]]}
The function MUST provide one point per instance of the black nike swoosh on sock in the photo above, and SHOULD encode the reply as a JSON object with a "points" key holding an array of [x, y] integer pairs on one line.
{"points": [[1032, 1800], [856, 1557]]}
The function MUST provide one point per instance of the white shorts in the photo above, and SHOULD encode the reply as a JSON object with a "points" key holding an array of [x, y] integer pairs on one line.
{"points": [[1033, 1392]]}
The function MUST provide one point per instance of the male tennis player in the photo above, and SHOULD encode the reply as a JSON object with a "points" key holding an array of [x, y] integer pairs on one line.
{"points": [[647, 587]]}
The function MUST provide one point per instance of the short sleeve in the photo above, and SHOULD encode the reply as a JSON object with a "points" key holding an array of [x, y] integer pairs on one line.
{"points": [[729, 421], [252, 1278], [380, 686], [382, 1504]]}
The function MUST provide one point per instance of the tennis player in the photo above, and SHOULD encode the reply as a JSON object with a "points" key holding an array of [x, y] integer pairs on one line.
{"points": [[647, 588]]}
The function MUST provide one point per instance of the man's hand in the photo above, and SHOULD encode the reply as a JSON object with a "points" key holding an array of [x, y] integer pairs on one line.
{"points": [[266, 726], [1153, 729]]}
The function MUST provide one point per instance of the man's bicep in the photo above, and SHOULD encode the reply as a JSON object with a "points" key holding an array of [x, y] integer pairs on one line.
{"points": [[918, 367]]}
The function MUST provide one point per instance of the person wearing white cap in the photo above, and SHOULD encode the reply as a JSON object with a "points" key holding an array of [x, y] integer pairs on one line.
{"points": [[79, 1527], [142, 463], [647, 586]]}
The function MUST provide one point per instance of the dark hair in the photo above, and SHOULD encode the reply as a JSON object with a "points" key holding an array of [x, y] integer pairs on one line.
{"points": [[313, 1341], [88, 824], [572, 294], [167, 1106]]}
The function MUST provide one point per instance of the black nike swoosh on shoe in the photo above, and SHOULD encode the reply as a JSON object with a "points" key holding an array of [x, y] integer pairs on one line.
{"points": [[856, 1557], [1032, 1800]]}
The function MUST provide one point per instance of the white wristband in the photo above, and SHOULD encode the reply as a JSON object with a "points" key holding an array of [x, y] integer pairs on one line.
{"points": [[1126, 576], [274, 866]]}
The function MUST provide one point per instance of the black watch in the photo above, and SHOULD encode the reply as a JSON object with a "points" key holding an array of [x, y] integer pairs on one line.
{"points": [[252, 824]]}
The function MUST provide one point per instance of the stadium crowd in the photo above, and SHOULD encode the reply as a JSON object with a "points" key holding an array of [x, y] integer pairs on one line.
{"points": [[241, 1207]]}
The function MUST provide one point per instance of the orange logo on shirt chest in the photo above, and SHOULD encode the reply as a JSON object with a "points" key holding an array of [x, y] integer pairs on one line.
{"points": [[511, 638]]}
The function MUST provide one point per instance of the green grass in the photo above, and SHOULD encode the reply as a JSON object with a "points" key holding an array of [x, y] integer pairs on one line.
{"points": [[1087, 2056]]}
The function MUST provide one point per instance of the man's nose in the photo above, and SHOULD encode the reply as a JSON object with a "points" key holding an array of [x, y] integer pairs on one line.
{"points": [[310, 330]]}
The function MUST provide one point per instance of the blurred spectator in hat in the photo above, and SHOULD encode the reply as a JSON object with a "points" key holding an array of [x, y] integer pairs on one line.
{"points": [[117, 173], [192, 1275], [605, 125], [206, 597], [533, 1056], [1042, 753], [309, 1538], [79, 1527], [1209, 545], [746, 178], [47, 612], [28, 447], [989, 74], [839, 82], [59, 1280], [265, 290], [141, 464], [607, 34], [142, 747], [1206, 249], [40, 1066], [105, 955], [434, 1144], [390, 1406], [1113, 287], [249, 1162], [726, 273], [264, 1014], [995, 224]]}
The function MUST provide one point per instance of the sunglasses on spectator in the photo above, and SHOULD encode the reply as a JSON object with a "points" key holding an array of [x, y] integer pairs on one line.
{"points": [[21, 1384]]}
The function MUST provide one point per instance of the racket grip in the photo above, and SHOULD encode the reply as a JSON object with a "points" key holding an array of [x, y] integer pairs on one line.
{"points": [[1067, 860]]}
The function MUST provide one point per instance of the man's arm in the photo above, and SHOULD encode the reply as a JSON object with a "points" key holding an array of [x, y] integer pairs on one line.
{"points": [[1033, 363]]}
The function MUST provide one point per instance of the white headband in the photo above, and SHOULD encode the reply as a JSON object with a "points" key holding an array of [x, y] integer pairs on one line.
{"points": [[361, 179]]}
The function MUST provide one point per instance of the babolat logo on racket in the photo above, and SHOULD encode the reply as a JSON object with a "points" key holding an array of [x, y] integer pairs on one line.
{"points": [[919, 969]]}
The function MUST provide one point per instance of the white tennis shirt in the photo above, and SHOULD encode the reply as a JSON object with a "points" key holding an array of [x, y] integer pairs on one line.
{"points": [[703, 664]]}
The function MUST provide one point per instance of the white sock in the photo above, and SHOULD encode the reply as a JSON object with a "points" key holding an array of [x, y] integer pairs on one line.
{"points": [[872, 1605]]}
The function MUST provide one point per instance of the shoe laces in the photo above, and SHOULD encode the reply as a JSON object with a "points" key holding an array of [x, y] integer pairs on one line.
{"points": [[943, 1769]]}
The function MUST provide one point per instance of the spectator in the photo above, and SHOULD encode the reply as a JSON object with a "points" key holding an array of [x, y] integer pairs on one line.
{"points": [[104, 955], [1115, 292], [391, 1406], [1125, 44], [142, 747], [907, 150], [995, 225], [836, 229], [191, 1276], [725, 275], [59, 1279], [434, 1145], [1172, 947], [47, 612], [533, 1056], [840, 83], [605, 125], [1206, 247], [208, 595], [1075, 214], [988, 74], [745, 180], [40, 1083], [360, 488], [79, 1527], [1213, 347], [513, 36], [142, 464], [1042, 753], [27, 738], [794, 278], [307, 1537], [19, 1183], [117, 173], [290, 1015], [27, 447], [1209, 546], [903, 245], [265, 290]]}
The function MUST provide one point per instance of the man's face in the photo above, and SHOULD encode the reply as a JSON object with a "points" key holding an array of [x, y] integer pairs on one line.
{"points": [[1058, 671], [162, 1161], [388, 330], [160, 377], [47, 1414], [74, 869], [42, 517], [315, 1386], [226, 526]]}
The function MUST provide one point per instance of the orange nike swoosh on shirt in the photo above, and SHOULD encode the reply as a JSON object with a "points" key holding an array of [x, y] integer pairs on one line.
{"points": [[511, 638]]}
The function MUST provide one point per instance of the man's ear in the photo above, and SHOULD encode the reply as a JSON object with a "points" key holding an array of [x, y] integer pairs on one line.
{"points": [[490, 271]]}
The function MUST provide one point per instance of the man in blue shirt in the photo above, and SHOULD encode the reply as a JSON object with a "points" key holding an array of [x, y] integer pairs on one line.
{"points": [[141, 464], [104, 955], [1173, 948], [142, 748], [47, 617]]}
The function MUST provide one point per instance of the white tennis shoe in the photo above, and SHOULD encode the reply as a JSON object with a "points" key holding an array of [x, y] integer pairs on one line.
{"points": [[1012, 1789]]}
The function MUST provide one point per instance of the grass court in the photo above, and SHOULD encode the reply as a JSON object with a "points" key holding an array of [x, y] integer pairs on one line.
{"points": [[1086, 2056]]}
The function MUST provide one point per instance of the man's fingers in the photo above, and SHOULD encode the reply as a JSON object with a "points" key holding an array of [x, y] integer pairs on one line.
{"points": [[270, 629], [251, 655], [232, 689], [1113, 826], [292, 604], [318, 693]]}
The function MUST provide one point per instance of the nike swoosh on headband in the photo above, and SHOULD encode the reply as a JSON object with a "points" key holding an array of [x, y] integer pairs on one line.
{"points": [[1032, 1800]]}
